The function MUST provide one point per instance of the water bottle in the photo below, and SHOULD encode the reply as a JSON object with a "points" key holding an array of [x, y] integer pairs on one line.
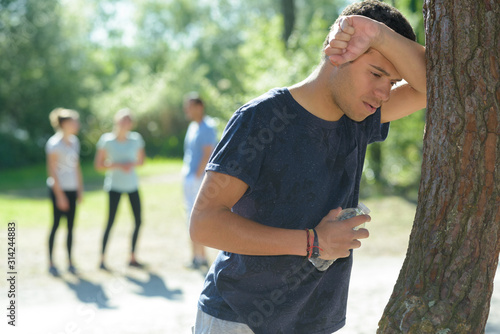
{"points": [[361, 209]]}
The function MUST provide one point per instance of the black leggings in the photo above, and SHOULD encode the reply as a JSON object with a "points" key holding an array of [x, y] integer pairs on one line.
{"points": [[135, 202], [70, 217]]}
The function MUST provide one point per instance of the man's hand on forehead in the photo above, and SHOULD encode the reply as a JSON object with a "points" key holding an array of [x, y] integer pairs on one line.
{"points": [[350, 38]]}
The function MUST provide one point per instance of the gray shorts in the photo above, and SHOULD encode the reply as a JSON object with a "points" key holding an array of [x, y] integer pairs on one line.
{"points": [[206, 324], [192, 185]]}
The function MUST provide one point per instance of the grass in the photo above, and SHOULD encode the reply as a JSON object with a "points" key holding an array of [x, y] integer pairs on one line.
{"points": [[390, 227], [23, 198], [24, 195], [34, 177]]}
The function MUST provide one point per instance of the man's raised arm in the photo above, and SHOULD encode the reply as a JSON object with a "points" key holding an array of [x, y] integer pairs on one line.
{"points": [[354, 35]]}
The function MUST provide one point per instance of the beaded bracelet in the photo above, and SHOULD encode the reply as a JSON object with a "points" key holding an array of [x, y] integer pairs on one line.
{"points": [[315, 249]]}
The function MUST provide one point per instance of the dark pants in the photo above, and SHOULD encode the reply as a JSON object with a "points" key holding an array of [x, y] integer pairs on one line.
{"points": [[70, 218], [114, 200]]}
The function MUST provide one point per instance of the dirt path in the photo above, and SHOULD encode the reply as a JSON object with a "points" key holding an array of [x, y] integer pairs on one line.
{"points": [[162, 298], [159, 299]]}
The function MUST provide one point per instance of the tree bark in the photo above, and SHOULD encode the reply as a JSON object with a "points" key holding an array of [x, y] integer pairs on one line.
{"points": [[446, 282], [375, 156], [288, 10]]}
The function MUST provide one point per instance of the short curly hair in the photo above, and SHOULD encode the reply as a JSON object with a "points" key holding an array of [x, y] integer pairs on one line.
{"points": [[378, 11]]}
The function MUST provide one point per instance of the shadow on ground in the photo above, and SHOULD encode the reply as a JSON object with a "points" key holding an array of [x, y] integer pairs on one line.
{"points": [[90, 293], [155, 287]]}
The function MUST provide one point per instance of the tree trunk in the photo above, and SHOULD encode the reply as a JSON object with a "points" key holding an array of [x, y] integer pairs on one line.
{"points": [[288, 10], [446, 282], [375, 156]]}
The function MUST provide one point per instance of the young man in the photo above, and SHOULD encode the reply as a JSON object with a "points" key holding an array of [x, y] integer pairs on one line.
{"points": [[200, 140], [285, 161]]}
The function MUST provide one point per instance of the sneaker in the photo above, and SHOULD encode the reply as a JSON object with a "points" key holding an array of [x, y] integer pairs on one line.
{"points": [[203, 263], [53, 271], [136, 264], [103, 266], [197, 264], [72, 269]]}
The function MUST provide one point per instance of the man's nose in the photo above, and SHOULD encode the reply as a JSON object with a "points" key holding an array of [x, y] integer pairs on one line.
{"points": [[383, 92]]}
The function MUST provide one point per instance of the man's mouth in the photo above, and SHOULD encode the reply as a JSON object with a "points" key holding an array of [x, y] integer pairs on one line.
{"points": [[371, 108]]}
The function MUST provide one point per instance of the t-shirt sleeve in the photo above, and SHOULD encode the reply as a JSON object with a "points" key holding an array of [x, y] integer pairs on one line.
{"points": [[49, 147], [52, 146], [101, 143], [239, 152], [377, 131], [139, 140]]}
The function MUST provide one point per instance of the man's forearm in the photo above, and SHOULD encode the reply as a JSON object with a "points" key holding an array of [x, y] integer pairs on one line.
{"points": [[407, 56], [225, 230]]}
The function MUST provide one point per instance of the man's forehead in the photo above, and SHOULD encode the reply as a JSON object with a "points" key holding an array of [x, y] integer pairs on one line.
{"points": [[381, 64]]}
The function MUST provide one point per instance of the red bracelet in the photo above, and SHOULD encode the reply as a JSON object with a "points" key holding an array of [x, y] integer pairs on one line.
{"points": [[310, 242]]}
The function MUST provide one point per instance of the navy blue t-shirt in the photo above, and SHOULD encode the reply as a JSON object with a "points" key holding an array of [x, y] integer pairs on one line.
{"points": [[298, 167]]}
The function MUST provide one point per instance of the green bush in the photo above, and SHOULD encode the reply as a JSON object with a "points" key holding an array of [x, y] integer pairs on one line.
{"points": [[15, 152]]}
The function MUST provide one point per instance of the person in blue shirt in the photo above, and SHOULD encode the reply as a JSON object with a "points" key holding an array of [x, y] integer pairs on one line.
{"points": [[200, 140], [288, 161], [119, 153]]}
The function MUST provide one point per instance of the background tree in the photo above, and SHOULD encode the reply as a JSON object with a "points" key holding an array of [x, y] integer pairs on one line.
{"points": [[446, 282], [41, 68], [288, 10], [98, 56]]}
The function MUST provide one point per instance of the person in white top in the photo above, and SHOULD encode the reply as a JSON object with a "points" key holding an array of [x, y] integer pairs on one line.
{"points": [[64, 180]]}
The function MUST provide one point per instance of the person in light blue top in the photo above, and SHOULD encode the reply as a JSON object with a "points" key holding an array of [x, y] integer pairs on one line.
{"points": [[200, 140], [119, 152]]}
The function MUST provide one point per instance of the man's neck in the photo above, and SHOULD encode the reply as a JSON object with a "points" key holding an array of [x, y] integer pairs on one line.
{"points": [[198, 119], [313, 94]]}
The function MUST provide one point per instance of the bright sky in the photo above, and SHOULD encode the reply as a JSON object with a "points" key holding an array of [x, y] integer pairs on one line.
{"points": [[124, 11]]}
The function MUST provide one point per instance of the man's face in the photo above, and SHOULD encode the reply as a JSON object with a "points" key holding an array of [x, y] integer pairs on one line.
{"points": [[192, 110], [360, 87]]}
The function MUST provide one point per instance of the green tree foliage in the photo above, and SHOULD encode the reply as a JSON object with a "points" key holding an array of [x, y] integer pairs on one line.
{"points": [[98, 56], [40, 69], [228, 51]]}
